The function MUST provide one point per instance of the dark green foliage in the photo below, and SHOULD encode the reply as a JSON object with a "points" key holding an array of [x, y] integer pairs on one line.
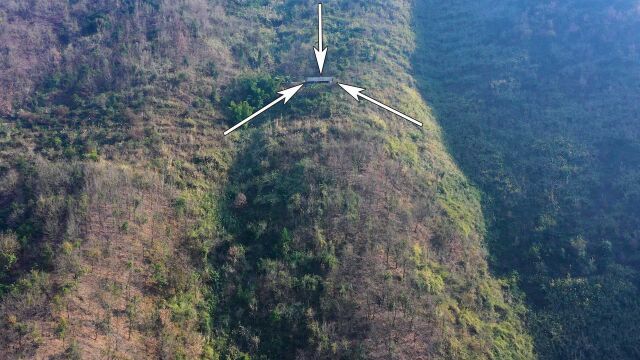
{"points": [[573, 323], [251, 92], [539, 105], [264, 259], [94, 23], [240, 111]]}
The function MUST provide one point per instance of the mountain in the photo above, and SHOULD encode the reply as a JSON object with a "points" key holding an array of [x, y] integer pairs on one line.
{"points": [[539, 104], [131, 227]]}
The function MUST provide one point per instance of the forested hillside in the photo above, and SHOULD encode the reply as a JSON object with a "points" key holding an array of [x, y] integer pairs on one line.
{"points": [[539, 103], [131, 228], [507, 228]]}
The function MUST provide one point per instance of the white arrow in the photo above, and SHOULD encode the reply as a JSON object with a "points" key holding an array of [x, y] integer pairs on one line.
{"points": [[321, 54], [286, 95], [356, 93]]}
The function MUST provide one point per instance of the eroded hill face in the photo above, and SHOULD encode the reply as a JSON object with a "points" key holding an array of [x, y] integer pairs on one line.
{"points": [[325, 229], [103, 261]]}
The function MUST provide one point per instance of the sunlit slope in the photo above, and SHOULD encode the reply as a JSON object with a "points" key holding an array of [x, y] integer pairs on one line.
{"points": [[324, 229]]}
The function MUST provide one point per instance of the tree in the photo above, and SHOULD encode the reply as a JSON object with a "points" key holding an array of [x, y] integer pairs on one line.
{"points": [[9, 248], [240, 111]]}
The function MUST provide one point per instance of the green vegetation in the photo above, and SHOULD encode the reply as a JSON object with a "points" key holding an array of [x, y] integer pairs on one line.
{"points": [[538, 105], [130, 227], [257, 90]]}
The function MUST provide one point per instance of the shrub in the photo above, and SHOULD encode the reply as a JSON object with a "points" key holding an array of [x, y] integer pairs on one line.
{"points": [[9, 248], [240, 111]]}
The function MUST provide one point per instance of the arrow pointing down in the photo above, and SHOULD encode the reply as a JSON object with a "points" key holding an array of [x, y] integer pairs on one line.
{"points": [[322, 53]]}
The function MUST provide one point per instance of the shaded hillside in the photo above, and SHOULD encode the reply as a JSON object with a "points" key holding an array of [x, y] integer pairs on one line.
{"points": [[324, 229], [539, 105]]}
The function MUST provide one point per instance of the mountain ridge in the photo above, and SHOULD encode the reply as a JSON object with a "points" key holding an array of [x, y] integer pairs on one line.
{"points": [[325, 228]]}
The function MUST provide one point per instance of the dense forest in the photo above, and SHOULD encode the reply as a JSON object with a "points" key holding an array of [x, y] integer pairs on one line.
{"points": [[506, 228], [540, 106]]}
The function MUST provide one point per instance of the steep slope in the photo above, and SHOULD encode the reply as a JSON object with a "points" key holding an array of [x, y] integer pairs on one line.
{"points": [[539, 105], [325, 229], [104, 275], [354, 235]]}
